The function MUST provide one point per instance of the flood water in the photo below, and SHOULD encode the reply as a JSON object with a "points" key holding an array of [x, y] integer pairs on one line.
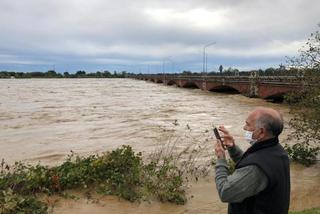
{"points": [[44, 119]]}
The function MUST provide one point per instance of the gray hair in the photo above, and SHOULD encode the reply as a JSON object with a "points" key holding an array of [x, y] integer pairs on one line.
{"points": [[272, 124]]}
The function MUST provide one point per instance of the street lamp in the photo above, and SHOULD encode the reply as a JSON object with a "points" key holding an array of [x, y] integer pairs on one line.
{"points": [[172, 63], [168, 59], [204, 69]]}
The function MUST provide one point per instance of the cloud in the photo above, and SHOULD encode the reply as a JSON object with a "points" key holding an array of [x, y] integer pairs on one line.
{"points": [[197, 18], [97, 33]]}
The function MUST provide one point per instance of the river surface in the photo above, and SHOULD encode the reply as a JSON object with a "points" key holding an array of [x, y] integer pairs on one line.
{"points": [[44, 119]]}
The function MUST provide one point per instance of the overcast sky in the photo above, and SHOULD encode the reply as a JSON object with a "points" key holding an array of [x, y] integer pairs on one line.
{"points": [[147, 35]]}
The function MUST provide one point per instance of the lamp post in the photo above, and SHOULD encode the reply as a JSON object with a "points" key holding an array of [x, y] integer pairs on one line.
{"points": [[171, 61], [204, 69], [168, 59]]}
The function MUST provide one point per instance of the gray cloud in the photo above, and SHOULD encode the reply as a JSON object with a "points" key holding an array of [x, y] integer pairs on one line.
{"points": [[115, 34]]}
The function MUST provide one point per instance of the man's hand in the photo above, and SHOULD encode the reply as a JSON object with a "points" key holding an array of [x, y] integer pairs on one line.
{"points": [[219, 150], [228, 140]]}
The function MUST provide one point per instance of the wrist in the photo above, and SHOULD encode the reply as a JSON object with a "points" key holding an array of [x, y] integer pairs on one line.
{"points": [[221, 156], [221, 163], [231, 147]]}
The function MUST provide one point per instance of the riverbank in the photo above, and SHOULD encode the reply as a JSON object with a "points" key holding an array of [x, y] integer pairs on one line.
{"points": [[203, 198], [120, 182]]}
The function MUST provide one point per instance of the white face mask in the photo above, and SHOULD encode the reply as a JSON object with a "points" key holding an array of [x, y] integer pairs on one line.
{"points": [[248, 137]]}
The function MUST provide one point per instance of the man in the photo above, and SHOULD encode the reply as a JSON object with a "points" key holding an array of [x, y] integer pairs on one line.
{"points": [[260, 183]]}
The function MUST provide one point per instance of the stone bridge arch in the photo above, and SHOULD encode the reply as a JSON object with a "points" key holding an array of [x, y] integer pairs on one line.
{"points": [[275, 93], [189, 84], [240, 88], [277, 98], [225, 88], [172, 82]]}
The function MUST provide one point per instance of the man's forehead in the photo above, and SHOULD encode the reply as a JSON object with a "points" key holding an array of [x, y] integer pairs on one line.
{"points": [[252, 116]]}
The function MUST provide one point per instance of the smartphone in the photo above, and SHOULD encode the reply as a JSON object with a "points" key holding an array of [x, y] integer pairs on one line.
{"points": [[216, 133]]}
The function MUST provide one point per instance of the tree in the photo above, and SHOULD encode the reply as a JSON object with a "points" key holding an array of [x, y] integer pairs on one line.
{"points": [[270, 71], [305, 104], [66, 74], [80, 74], [220, 68], [51, 74]]}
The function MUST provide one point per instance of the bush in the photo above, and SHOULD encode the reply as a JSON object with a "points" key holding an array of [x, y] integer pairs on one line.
{"points": [[12, 203], [164, 181], [120, 172], [302, 153]]}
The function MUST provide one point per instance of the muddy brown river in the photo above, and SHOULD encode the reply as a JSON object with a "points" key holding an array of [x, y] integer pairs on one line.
{"points": [[44, 119]]}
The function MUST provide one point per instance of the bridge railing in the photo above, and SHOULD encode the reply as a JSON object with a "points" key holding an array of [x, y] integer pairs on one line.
{"points": [[261, 79]]}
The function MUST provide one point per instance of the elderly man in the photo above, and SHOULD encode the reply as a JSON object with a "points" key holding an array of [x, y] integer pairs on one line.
{"points": [[260, 183]]}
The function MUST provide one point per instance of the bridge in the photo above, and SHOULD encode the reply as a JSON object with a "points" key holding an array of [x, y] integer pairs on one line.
{"points": [[266, 87]]}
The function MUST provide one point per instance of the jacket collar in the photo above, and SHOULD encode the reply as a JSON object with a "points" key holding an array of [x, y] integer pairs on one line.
{"points": [[263, 144], [260, 145]]}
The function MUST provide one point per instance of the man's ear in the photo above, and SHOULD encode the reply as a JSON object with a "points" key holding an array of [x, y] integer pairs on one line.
{"points": [[262, 132]]}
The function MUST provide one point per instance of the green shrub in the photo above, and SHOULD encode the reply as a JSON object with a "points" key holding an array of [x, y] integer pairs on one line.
{"points": [[12, 203], [120, 172], [164, 181], [302, 153]]}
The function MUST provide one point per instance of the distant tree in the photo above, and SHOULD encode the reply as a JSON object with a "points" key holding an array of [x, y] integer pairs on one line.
{"points": [[80, 74], [66, 74], [19, 75], [187, 72], [107, 74], [54, 74], [123, 74], [35, 74], [270, 71], [4, 74], [231, 71], [51, 74], [99, 74], [220, 68]]}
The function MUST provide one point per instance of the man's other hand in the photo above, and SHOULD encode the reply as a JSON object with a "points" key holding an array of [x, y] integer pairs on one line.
{"points": [[219, 151]]}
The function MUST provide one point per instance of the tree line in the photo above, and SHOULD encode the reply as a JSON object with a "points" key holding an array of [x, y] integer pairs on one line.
{"points": [[281, 71], [54, 74]]}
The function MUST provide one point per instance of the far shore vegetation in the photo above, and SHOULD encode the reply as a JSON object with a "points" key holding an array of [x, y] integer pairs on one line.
{"points": [[54, 74], [280, 71]]}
